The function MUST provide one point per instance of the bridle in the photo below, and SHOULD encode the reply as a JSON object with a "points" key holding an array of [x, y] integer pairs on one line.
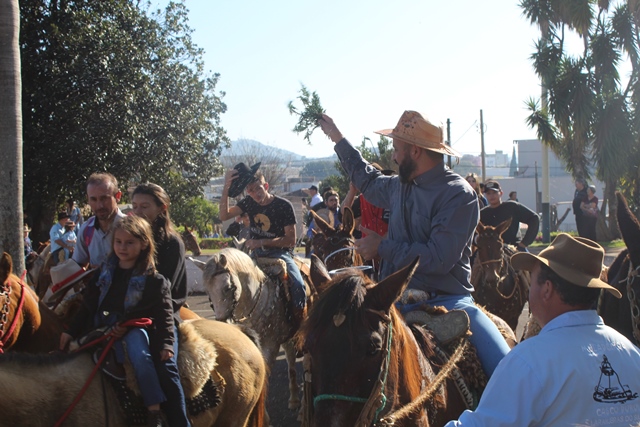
{"points": [[377, 399], [336, 241], [633, 303], [235, 301], [4, 311], [502, 272]]}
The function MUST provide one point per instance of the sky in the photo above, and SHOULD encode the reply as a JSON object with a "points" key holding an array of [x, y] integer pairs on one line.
{"points": [[369, 61]]}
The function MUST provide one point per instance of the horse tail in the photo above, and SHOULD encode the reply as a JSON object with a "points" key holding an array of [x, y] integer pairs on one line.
{"points": [[257, 418]]}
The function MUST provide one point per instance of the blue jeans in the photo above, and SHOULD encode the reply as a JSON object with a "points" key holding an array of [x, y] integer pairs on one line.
{"points": [[485, 336], [137, 344], [174, 407], [298, 294]]}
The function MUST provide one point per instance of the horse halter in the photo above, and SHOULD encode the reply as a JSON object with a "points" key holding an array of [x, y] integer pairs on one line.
{"points": [[4, 311], [335, 241], [377, 399], [633, 302], [234, 302]]}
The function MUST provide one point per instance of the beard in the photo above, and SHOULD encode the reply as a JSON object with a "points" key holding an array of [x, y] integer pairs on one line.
{"points": [[406, 168]]}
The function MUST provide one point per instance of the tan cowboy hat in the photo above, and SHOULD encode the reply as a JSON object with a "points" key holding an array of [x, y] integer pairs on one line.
{"points": [[575, 259], [63, 276], [414, 129], [27, 228]]}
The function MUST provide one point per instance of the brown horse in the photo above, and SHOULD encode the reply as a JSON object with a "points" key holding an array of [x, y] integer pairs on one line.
{"points": [[365, 363], [191, 241], [28, 324], [37, 389], [624, 314], [502, 290], [335, 246]]}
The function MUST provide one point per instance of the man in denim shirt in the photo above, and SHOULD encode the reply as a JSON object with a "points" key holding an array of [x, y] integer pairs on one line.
{"points": [[433, 214]]}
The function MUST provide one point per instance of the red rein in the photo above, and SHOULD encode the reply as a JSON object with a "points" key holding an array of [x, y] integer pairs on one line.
{"points": [[5, 337]]}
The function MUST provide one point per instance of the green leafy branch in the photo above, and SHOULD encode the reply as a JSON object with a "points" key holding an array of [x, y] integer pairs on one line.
{"points": [[309, 116]]}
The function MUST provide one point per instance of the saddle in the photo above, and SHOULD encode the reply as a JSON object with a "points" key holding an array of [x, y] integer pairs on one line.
{"points": [[203, 386], [277, 269], [445, 325]]}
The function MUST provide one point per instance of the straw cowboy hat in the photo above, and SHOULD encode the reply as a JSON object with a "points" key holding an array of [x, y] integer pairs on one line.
{"points": [[245, 176], [414, 129], [575, 259], [63, 276]]}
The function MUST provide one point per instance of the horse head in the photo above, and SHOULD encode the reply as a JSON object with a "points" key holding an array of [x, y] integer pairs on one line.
{"points": [[355, 339], [490, 250], [231, 280], [191, 242], [335, 246]]}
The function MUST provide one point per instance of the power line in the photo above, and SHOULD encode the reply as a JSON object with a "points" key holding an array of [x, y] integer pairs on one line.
{"points": [[465, 132]]}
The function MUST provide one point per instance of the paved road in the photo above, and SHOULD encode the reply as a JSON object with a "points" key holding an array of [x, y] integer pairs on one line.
{"points": [[278, 384]]}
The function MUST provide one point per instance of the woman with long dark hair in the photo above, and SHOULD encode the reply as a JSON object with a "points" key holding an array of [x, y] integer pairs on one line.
{"points": [[151, 202]]}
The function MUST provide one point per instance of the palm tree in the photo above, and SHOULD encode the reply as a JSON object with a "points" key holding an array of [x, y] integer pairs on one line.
{"points": [[589, 116], [11, 240]]}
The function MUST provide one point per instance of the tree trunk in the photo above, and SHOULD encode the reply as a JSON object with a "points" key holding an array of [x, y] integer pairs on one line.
{"points": [[609, 198], [11, 217]]}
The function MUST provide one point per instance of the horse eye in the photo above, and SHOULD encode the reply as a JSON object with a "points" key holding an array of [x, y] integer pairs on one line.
{"points": [[228, 289], [374, 347]]}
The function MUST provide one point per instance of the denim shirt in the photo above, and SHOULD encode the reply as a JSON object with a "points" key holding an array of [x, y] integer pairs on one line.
{"points": [[433, 217]]}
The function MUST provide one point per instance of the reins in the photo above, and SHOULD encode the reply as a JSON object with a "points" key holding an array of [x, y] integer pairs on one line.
{"points": [[138, 323], [235, 302], [348, 248], [4, 314]]}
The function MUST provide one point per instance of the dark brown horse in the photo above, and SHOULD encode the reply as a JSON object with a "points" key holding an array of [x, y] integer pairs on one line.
{"points": [[365, 363], [335, 246], [191, 241], [502, 290], [624, 314], [28, 324]]}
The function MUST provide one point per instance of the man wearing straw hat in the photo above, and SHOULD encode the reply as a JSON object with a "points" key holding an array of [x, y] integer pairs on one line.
{"points": [[576, 371], [433, 214]]}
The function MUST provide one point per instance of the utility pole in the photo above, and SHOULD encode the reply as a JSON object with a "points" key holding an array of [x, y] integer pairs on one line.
{"points": [[482, 154], [546, 213], [449, 140]]}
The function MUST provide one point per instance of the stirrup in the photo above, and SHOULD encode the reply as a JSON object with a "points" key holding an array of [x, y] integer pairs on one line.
{"points": [[445, 327]]}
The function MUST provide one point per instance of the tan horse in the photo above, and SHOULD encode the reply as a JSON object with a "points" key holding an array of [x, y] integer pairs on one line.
{"points": [[28, 325], [502, 290], [37, 389]]}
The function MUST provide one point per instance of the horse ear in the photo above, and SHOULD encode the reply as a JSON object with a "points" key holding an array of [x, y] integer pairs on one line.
{"points": [[385, 293], [198, 263], [503, 226], [348, 221], [323, 225], [319, 275], [6, 266], [222, 261], [629, 228]]}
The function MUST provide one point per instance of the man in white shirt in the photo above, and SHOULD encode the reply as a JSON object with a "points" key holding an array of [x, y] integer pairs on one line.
{"points": [[577, 371]]}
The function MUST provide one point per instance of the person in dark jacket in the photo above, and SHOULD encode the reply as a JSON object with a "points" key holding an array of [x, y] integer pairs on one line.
{"points": [[499, 211], [129, 287], [578, 197], [151, 202]]}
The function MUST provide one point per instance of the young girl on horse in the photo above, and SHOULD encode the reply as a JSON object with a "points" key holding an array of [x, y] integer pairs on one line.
{"points": [[129, 287]]}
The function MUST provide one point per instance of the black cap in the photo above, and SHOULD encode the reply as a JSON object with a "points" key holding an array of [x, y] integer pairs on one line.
{"points": [[62, 215], [492, 185], [313, 187], [245, 176]]}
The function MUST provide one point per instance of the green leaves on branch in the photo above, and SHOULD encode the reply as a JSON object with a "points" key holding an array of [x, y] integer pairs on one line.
{"points": [[309, 116]]}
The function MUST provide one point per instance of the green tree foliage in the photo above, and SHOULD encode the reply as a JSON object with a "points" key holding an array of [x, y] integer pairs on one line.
{"points": [[592, 112], [382, 155], [196, 213], [113, 86]]}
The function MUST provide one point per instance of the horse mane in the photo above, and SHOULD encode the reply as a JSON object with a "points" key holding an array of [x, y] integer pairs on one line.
{"points": [[242, 264]]}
